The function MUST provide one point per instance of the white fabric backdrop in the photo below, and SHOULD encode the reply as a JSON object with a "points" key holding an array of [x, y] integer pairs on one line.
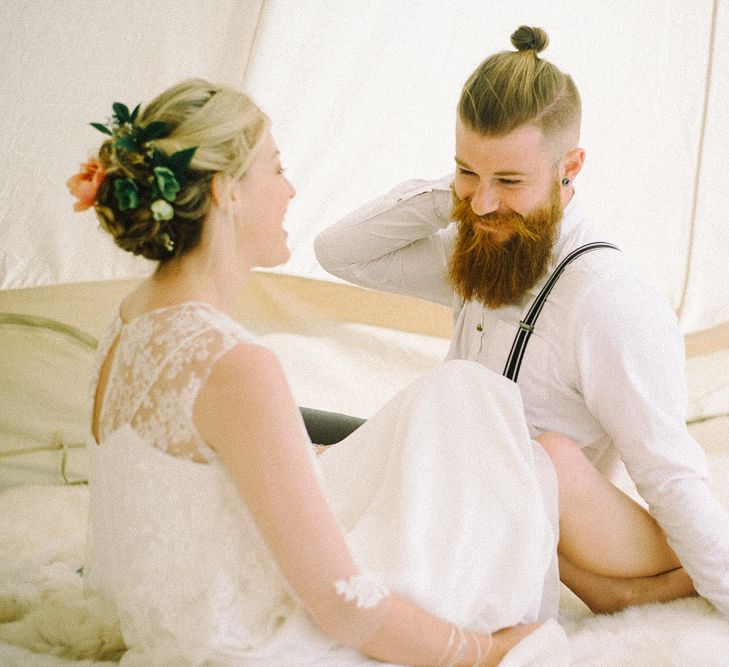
{"points": [[362, 94], [708, 275], [63, 63]]}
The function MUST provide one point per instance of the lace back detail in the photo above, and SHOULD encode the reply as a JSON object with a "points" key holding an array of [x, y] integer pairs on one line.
{"points": [[162, 360]]}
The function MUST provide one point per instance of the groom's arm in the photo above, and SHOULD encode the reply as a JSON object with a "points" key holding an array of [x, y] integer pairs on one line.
{"points": [[400, 242]]}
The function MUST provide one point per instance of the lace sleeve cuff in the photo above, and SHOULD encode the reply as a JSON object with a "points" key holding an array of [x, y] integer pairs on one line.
{"points": [[363, 589]]}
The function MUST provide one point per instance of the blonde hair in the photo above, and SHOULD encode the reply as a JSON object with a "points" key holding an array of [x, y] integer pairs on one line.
{"points": [[225, 126], [513, 88]]}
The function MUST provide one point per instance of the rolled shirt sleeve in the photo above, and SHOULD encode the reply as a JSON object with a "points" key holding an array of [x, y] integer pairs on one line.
{"points": [[631, 368], [399, 242]]}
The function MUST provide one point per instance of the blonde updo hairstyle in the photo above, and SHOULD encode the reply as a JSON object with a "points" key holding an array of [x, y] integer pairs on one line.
{"points": [[225, 126], [513, 88]]}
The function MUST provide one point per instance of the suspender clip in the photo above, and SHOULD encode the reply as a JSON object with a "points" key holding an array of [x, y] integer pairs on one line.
{"points": [[526, 327], [513, 363]]}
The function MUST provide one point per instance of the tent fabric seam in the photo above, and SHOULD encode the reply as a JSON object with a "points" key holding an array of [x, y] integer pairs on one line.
{"points": [[699, 158]]}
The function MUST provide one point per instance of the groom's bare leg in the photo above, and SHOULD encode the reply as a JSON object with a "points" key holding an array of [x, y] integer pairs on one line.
{"points": [[603, 594], [612, 551]]}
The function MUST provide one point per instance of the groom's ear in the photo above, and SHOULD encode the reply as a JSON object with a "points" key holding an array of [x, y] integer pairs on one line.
{"points": [[571, 163]]}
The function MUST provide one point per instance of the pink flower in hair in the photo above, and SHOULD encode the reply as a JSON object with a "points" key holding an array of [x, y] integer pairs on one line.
{"points": [[85, 185]]}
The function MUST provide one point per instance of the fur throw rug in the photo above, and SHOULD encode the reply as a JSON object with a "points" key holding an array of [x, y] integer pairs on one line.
{"points": [[45, 620]]}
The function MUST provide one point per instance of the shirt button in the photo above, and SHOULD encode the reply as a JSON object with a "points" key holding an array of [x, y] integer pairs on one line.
{"points": [[479, 327]]}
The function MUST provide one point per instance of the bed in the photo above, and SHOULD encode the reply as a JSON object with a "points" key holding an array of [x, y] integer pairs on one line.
{"points": [[345, 350]]}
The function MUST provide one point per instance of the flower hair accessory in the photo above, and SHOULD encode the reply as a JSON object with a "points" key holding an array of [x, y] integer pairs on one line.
{"points": [[85, 185], [132, 145]]}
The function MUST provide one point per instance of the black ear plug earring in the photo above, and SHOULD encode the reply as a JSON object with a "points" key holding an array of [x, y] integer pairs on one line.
{"points": [[565, 181]]}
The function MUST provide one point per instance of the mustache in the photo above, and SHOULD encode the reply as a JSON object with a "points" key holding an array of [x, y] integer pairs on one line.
{"points": [[514, 223]]}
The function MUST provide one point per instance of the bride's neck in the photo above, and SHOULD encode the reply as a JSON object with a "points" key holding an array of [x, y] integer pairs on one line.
{"points": [[188, 280], [212, 271], [181, 280]]}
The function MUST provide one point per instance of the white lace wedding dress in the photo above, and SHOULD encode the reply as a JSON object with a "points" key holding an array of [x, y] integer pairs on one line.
{"points": [[441, 496]]}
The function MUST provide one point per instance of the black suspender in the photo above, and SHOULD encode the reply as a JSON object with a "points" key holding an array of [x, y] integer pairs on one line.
{"points": [[526, 326]]}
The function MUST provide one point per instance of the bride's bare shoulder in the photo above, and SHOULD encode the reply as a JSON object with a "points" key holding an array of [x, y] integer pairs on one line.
{"points": [[245, 397], [247, 363], [248, 376]]}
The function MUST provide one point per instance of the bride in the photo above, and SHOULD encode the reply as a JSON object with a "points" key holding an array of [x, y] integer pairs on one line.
{"points": [[427, 537]]}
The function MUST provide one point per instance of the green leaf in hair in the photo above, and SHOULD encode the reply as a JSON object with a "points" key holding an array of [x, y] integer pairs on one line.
{"points": [[121, 111], [180, 160], [126, 143], [157, 129], [102, 128]]}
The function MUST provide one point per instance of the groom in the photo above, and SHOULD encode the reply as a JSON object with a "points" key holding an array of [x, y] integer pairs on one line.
{"points": [[539, 296]]}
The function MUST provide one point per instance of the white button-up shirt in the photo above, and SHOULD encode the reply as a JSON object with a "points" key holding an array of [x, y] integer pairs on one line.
{"points": [[604, 365]]}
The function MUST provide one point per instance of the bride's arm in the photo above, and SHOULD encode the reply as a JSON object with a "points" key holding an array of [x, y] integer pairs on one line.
{"points": [[246, 413]]}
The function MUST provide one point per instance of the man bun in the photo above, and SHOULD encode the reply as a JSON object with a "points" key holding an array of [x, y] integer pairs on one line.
{"points": [[514, 88], [526, 38]]}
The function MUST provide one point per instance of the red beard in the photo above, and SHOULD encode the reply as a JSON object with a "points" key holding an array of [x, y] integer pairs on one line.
{"points": [[498, 273]]}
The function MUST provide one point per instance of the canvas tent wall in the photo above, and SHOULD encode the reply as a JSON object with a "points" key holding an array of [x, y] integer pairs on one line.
{"points": [[362, 95]]}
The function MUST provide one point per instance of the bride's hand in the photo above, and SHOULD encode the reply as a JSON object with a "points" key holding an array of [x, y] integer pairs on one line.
{"points": [[506, 639]]}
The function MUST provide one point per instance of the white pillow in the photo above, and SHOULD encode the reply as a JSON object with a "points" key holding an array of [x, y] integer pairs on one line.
{"points": [[45, 372]]}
